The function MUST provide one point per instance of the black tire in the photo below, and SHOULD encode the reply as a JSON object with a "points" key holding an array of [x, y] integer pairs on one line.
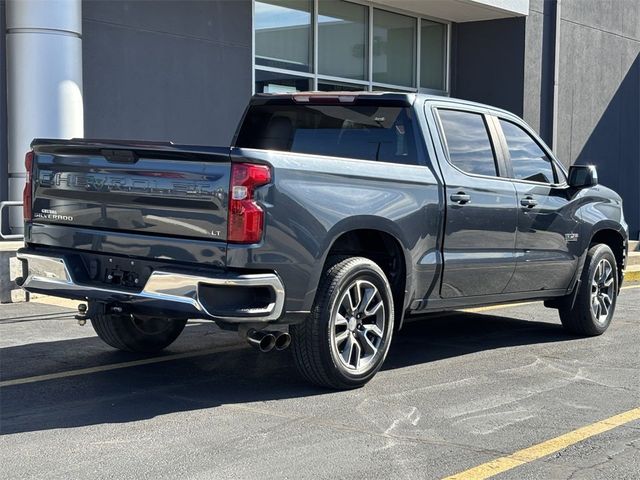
{"points": [[134, 333], [316, 342], [582, 319]]}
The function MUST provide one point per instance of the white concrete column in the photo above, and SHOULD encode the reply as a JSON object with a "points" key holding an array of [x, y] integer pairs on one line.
{"points": [[44, 79]]}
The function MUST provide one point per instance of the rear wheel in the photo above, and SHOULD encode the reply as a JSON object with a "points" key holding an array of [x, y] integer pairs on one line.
{"points": [[595, 301], [344, 341], [135, 333]]}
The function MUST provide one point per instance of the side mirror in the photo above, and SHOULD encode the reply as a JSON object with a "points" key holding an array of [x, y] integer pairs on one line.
{"points": [[582, 176]]}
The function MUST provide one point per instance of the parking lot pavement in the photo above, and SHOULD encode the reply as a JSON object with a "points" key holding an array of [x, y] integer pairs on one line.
{"points": [[456, 391]]}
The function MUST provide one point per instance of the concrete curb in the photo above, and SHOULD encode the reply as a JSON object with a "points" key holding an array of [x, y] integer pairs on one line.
{"points": [[632, 275]]}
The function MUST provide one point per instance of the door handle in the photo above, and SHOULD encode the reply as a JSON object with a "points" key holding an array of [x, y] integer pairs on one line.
{"points": [[460, 198], [528, 202]]}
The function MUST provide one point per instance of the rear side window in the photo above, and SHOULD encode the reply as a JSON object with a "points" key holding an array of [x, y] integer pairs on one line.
{"points": [[468, 142], [528, 160], [382, 133]]}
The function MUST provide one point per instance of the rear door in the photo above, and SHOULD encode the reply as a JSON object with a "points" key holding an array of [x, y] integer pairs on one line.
{"points": [[548, 230], [481, 212]]}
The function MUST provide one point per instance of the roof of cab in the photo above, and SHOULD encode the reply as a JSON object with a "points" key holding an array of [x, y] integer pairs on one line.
{"points": [[346, 98], [360, 97]]}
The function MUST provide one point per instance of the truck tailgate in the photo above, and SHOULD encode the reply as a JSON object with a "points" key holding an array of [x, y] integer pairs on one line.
{"points": [[142, 188]]}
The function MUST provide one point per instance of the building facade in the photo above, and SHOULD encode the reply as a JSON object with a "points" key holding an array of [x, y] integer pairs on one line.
{"points": [[184, 70]]}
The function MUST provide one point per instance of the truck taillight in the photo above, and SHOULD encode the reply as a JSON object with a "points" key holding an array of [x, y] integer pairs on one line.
{"points": [[28, 189], [246, 217]]}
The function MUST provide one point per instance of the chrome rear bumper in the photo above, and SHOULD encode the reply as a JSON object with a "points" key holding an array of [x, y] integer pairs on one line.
{"points": [[168, 291]]}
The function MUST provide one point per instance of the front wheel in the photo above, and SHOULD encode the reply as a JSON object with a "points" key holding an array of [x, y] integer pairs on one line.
{"points": [[595, 301], [135, 333], [345, 339]]}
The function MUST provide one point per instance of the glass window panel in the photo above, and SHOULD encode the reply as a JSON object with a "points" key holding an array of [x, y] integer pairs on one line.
{"points": [[283, 34], [468, 142], [270, 82], [382, 133], [528, 160], [394, 47], [331, 86], [342, 39], [377, 88], [433, 41]]}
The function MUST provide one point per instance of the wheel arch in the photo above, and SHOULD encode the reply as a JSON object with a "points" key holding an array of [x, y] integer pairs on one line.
{"points": [[381, 241], [616, 241]]}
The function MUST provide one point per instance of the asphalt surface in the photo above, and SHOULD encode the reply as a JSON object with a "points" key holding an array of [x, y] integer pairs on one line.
{"points": [[456, 391]]}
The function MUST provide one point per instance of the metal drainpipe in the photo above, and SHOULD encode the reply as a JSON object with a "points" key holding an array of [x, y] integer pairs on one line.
{"points": [[44, 80], [556, 76]]}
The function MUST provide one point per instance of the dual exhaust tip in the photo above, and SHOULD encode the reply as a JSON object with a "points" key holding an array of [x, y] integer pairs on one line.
{"points": [[265, 341]]}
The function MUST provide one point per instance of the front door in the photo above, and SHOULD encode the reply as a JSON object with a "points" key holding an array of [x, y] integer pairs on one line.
{"points": [[481, 216], [548, 230]]}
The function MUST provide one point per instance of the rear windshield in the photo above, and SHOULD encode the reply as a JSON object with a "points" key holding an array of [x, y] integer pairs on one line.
{"points": [[382, 133]]}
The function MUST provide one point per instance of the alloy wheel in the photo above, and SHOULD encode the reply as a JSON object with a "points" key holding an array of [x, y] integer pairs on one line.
{"points": [[358, 325], [602, 291]]}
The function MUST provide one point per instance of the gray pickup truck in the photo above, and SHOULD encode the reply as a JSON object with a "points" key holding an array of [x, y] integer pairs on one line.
{"points": [[331, 219]]}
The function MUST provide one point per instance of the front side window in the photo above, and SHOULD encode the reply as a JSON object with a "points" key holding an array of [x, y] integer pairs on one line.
{"points": [[380, 133], [468, 142], [528, 160]]}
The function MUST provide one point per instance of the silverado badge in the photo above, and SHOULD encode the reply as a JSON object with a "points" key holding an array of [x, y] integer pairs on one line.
{"points": [[571, 237]]}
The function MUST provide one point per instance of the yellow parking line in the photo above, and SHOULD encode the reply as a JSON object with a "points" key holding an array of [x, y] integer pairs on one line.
{"points": [[116, 366], [496, 307], [517, 304], [535, 452]]}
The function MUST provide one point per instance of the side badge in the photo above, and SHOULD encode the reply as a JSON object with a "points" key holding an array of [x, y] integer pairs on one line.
{"points": [[571, 237]]}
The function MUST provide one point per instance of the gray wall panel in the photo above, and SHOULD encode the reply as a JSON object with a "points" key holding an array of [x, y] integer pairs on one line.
{"points": [[487, 61], [619, 17], [538, 67], [221, 21], [599, 95], [172, 70], [532, 101], [582, 102]]}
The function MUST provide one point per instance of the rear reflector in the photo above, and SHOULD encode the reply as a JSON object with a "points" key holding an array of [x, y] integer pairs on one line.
{"points": [[28, 188], [246, 217]]}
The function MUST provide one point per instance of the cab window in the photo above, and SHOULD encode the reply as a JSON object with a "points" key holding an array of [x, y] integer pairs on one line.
{"points": [[528, 160], [468, 142], [368, 132]]}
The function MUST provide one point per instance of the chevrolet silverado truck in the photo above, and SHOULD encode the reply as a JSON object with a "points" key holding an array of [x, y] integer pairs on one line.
{"points": [[331, 219]]}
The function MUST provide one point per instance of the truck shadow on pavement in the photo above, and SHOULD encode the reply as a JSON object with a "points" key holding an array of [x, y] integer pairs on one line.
{"points": [[213, 379]]}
